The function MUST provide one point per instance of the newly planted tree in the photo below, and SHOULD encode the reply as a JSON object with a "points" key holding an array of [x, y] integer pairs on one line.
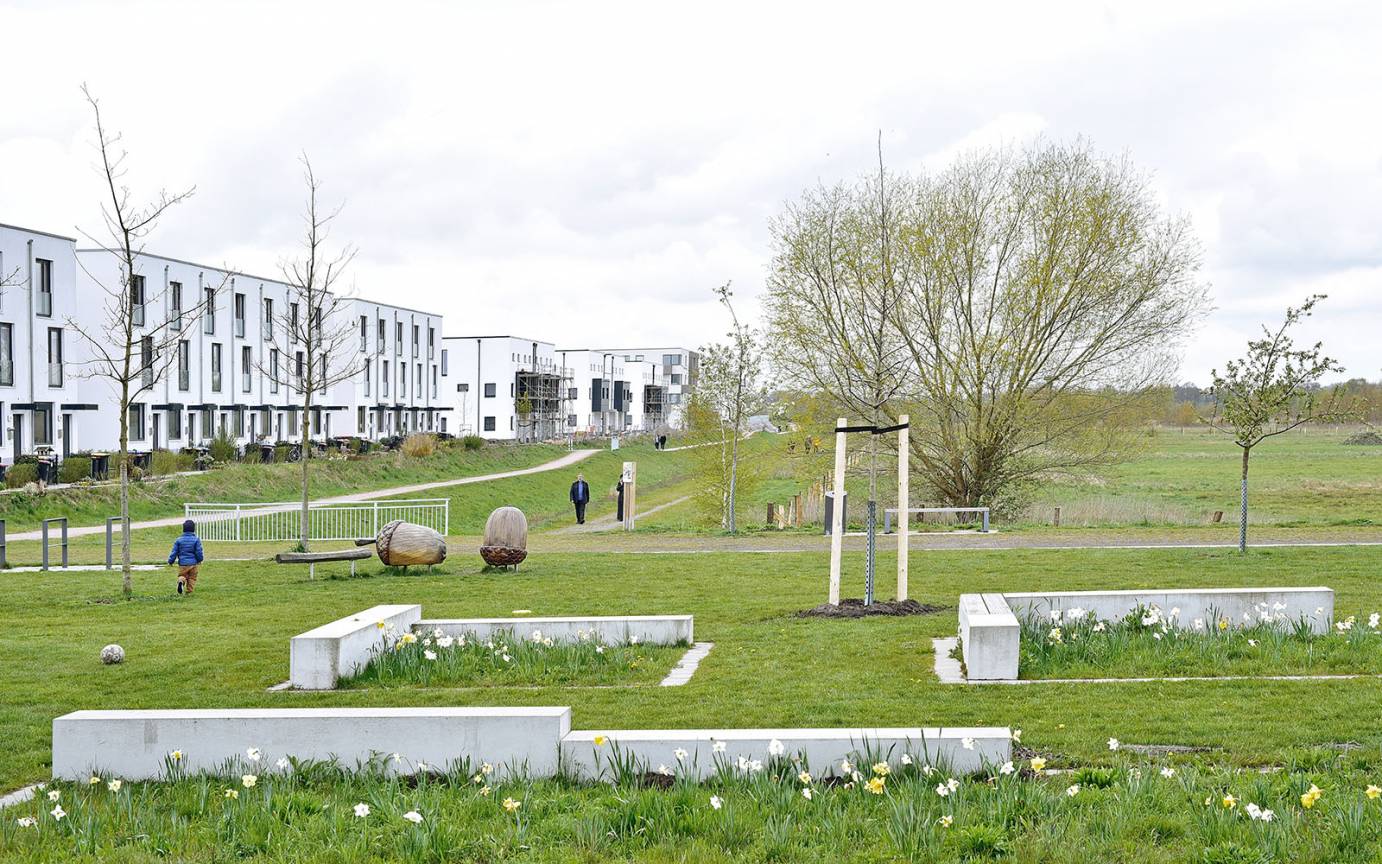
{"points": [[131, 348], [1273, 389], [315, 337]]}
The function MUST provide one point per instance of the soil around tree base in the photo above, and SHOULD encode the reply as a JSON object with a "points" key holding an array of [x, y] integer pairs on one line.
{"points": [[853, 607]]}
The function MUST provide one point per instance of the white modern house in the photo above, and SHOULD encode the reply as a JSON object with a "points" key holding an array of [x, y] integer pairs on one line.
{"points": [[39, 402], [505, 388], [235, 367], [677, 372]]}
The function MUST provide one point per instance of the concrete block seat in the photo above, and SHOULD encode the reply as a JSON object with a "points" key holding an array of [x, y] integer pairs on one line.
{"points": [[610, 629], [134, 745], [322, 656], [989, 633]]}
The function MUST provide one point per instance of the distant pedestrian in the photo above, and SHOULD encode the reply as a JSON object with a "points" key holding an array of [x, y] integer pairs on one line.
{"points": [[187, 554], [580, 496]]}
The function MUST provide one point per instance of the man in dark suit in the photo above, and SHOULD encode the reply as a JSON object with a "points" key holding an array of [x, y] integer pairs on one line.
{"points": [[580, 496]]}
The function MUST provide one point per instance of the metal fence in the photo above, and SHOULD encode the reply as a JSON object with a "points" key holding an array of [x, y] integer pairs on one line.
{"points": [[281, 521]]}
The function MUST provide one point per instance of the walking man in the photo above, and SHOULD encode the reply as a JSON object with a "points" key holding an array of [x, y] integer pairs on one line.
{"points": [[580, 496]]}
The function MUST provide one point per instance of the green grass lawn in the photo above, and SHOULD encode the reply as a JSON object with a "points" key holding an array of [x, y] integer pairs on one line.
{"points": [[251, 482]]}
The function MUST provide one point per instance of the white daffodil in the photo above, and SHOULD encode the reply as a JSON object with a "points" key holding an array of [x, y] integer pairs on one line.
{"points": [[776, 748], [1168, 772], [253, 754], [413, 816], [361, 810], [806, 792], [967, 743], [26, 822], [680, 754], [248, 780], [942, 790], [429, 654], [664, 770], [1007, 768], [1072, 790], [1113, 744], [718, 746], [57, 813], [715, 802], [115, 785]]}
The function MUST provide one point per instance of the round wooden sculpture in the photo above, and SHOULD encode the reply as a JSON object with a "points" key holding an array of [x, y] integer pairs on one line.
{"points": [[401, 544], [506, 538]]}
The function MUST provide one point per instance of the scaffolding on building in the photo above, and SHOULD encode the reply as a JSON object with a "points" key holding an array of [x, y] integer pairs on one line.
{"points": [[540, 403]]}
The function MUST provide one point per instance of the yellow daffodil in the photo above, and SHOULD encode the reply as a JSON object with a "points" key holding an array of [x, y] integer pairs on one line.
{"points": [[875, 785], [1372, 792], [946, 821], [1038, 764], [232, 793], [114, 785], [1230, 802], [881, 769], [512, 805], [94, 781], [176, 755], [600, 740], [1313, 794], [485, 790], [806, 777]]}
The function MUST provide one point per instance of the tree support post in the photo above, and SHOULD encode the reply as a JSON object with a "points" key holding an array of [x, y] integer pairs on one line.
{"points": [[904, 503], [837, 529]]}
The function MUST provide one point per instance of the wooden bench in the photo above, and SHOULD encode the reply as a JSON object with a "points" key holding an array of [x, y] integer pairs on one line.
{"points": [[311, 559]]}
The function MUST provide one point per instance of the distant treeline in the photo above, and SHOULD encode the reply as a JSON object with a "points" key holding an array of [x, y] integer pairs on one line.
{"points": [[1184, 404]]}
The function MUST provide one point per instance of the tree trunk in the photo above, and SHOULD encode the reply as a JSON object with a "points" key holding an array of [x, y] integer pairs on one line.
{"points": [[304, 525], [1243, 506], [126, 579]]}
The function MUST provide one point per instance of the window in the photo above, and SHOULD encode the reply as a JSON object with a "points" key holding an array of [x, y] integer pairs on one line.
{"points": [[184, 365], [489, 424], [273, 370], [360, 419], [293, 321], [239, 422], [216, 367], [364, 333], [43, 423], [489, 391], [136, 422], [417, 380], [240, 315], [415, 345], [368, 371], [384, 381], [191, 425], [398, 338], [209, 316], [137, 300], [316, 324], [299, 372], [443, 362], [676, 377], [7, 355], [463, 388], [175, 319], [245, 361], [174, 425], [268, 317], [54, 356], [45, 286], [571, 392], [208, 421], [292, 424], [146, 361], [402, 380], [379, 348], [434, 382], [671, 359], [510, 423], [431, 342]]}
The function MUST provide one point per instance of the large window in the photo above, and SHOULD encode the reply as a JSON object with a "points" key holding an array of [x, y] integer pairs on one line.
{"points": [[184, 365], [137, 300], [415, 345], [7, 354], [402, 380], [146, 361], [268, 317], [44, 278], [239, 315], [273, 370], [175, 321], [431, 342], [360, 420], [174, 425], [398, 338], [443, 362], [293, 321], [136, 422], [383, 331], [216, 367], [43, 423], [364, 333], [54, 356], [368, 373], [384, 381], [434, 382], [299, 371], [246, 360], [209, 314]]}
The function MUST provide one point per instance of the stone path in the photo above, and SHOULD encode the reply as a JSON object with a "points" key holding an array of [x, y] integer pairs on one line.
{"points": [[569, 459], [687, 665]]}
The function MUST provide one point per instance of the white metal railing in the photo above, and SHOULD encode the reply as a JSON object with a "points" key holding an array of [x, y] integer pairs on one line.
{"points": [[281, 521]]}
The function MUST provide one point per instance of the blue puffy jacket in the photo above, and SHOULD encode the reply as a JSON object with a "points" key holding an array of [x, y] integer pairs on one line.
{"points": [[187, 550]]}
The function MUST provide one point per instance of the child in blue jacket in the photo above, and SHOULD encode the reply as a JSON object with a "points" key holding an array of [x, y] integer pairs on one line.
{"points": [[187, 552]]}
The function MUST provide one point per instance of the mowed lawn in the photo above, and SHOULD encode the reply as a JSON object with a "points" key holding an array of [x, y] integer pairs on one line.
{"points": [[224, 646]]}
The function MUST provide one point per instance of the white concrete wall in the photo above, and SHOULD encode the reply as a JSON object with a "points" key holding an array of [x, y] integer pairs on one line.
{"points": [[133, 745], [612, 630], [1314, 604], [989, 634], [322, 656], [821, 749]]}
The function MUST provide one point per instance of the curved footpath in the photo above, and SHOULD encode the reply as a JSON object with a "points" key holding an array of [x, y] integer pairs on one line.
{"points": [[569, 459]]}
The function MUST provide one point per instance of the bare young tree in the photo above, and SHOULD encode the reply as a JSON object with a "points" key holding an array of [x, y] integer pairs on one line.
{"points": [[731, 386], [834, 292], [1273, 389], [129, 349], [315, 337]]}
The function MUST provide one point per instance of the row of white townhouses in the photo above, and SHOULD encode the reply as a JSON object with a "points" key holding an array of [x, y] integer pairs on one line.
{"points": [[233, 371]]}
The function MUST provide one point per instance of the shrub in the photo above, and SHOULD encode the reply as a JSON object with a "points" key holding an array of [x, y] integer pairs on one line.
{"points": [[419, 444], [21, 474], [168, 462], [74, 468], [223, 448], [472, 442]]}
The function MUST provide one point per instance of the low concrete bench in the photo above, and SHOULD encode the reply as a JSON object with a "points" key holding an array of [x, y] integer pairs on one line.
{"points": [[134, 745], [989, 626], [1314, 605], [610, 629], [989, 633], [322, 656], [822, 749]]}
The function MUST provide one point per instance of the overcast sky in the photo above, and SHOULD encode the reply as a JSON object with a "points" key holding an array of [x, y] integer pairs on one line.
{"points": [[587, 172]]}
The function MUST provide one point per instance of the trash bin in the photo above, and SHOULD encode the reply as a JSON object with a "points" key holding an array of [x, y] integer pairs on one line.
{"points": [[142, 461], [830, 511], [45, 471], [266, 453], [100, 466]]}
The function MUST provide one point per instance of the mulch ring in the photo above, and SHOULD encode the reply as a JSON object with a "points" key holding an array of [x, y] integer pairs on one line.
{"points": [[853, 607]]}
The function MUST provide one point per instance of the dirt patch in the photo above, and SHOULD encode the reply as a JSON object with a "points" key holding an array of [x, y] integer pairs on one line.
{"points": [[853, 607], [1364, 439]]}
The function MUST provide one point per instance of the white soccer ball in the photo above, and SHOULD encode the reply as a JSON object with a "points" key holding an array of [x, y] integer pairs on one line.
{"points": [[112, 654]]}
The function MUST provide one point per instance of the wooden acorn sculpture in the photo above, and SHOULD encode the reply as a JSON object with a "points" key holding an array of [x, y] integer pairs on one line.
{"points": [[506, 538], [400, 544]]}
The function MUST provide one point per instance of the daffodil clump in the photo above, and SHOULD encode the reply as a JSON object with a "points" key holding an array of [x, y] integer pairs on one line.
{"points": [[437, 659], [767, 806], [1152, 642]]}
